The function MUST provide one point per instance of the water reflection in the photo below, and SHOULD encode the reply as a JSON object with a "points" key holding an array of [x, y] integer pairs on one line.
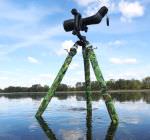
{"points": [[50, 134], [70, 121], [96, 96], [48, 131], [111, 131], [89, 125]]}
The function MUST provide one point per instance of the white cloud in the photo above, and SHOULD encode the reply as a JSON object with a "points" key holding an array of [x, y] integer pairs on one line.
{"points": [[92, 9], [46, 76], [74, 66], [72, 134], [32, 60], [30, 38], [92, 6], [95, 6], [18, 78], [24, 26], [123, 61], [89, 2], [116, 43], [10, 11], [113, 43], [43, 79], [66, 45], [130, 10], [128, 74], [3, 78], [111, 73], [84, 2]]}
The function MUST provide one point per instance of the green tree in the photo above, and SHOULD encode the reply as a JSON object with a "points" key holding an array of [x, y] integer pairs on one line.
{"points": [[80, 86], [95, 85], [134, 84], [111, 84], [121, 84], [1, 90], [45, 88], [62, 87], [146, 83], [36, 88]]}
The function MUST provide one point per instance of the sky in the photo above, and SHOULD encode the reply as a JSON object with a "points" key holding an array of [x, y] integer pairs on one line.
{"points": [[32, 40]]}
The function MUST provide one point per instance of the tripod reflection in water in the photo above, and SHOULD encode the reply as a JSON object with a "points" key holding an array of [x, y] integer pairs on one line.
{"points": [[50, 134], [111, 131], [46, 129]]}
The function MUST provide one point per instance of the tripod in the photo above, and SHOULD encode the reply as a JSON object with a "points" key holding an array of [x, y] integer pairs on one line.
{"points": [[88, 56]]}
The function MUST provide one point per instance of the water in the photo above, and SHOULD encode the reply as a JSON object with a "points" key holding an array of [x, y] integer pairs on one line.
{"points": [[66, 118]]}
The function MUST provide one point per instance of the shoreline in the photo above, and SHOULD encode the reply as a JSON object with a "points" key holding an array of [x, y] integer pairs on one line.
{"points": [[95, 91]]}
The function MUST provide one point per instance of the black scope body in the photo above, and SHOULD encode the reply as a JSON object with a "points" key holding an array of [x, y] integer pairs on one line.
{"points": [[95, 19]]}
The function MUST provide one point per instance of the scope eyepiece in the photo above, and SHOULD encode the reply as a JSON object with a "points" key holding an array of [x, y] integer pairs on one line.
{"points": [[69, 25]]}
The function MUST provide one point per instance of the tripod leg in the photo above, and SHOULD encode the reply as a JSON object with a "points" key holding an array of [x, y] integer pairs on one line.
{"points": [[108, 100], [85, 53], [57, 81]]}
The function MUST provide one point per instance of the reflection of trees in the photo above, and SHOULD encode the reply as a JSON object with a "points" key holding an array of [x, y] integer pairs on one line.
{"points": [[18, 95], [146, 97], [122, 97], [61, 96], [96, 96]]}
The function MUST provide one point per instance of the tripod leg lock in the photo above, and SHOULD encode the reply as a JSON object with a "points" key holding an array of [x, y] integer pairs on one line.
{"points": [[73, 50]]}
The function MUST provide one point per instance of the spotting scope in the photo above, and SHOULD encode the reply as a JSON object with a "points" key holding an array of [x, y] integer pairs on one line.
{"points": [[80, 24]]}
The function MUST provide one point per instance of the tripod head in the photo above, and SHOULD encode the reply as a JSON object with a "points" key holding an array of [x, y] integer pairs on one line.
{"points": [[80, 24]]}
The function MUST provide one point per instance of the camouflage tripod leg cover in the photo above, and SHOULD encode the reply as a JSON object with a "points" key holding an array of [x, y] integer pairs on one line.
{"points": [[57, 81], [85, 54], [108, 100]]}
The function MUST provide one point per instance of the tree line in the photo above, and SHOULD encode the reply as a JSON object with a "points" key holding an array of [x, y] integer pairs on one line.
{"points": [[112, 84]]}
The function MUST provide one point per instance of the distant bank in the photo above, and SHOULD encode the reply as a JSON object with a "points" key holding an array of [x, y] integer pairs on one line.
{"points": [[70, 92]]}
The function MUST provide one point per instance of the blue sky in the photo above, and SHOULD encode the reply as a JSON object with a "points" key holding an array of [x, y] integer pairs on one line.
{"points": [[32, 40]]}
